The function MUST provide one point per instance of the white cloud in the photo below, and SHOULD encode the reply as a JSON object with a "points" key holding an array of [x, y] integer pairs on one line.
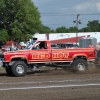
{"points": [[85, 6], [98, 6], [88, 6], [63, 9]]}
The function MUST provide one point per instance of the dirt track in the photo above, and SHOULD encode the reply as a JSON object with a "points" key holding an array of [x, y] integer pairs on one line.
{"points": [[51, 85]]}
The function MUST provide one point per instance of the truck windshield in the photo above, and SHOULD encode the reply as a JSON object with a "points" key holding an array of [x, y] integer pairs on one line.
{"points": [[30, 44]]}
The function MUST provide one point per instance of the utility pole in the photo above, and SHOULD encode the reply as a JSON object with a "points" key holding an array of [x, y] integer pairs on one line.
{"points": [[77, 22]]}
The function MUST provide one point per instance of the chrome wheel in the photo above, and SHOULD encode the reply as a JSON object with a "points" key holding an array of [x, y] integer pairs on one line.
{"points": [[81, 67], [20, 69]]}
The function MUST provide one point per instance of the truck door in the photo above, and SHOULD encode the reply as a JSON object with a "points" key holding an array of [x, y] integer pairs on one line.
{"points": [[60, 55], [40, 53]]}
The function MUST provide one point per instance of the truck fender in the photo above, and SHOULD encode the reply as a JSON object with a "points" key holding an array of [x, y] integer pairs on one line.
{"points": [[11, 63], [79, 55]]}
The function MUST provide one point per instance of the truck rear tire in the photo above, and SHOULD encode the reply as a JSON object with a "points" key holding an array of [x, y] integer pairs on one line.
{"points": [[97, 62], [80, 65], [19, 68]]}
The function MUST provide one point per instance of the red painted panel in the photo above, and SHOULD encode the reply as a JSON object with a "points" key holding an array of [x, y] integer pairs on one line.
{"points": [[72, 40]]}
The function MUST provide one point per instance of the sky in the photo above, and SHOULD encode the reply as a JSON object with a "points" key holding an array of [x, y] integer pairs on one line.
{"points": [[57, 13]]}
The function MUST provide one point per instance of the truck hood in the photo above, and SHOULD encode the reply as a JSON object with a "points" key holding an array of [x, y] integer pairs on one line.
{"points": [[16, 52]]}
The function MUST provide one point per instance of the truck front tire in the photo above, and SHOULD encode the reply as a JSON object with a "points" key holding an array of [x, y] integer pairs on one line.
{"points": [[9, 71], [19, 68], [80, 65]]}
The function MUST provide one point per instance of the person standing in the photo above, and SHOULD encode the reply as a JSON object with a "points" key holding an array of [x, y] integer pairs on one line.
{"points": [[1, 57], [91, 45]]}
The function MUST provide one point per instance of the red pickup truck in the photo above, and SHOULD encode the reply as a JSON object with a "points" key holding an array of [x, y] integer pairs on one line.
{"points": [[17, 62]]}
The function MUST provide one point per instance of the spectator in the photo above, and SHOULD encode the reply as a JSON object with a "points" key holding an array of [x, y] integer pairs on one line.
{"points": [[97, 47], [1, 57], [1, 51], [91, 45]]}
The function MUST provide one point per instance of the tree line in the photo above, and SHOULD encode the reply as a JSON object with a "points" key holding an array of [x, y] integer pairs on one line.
{"points": [[20, 19], [92, 26]]}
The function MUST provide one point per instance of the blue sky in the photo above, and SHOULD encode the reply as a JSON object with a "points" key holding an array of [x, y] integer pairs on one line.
{"points": [[65, 8]]}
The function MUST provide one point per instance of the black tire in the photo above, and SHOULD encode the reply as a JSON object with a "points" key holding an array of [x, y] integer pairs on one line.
{"points": [[96, 62], [98, 54], [9, 71], [80, 65], [19, 68]]}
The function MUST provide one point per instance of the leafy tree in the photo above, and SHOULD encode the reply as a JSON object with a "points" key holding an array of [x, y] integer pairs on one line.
{"points": [[94, 25], [44, 29], [62, 29], [85, 29], [3, 35], [53, 31], [72, 29], [19, 18]]}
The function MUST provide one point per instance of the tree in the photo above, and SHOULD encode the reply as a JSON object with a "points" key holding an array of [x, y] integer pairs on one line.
{"points": [[85, 29], [20, 18], [72, 29], [3, 35], [62, 29], [44, 29], [94, 25]]}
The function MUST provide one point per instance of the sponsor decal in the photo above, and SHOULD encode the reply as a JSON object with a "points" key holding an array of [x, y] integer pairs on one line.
{"points": [[48, 56]]}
